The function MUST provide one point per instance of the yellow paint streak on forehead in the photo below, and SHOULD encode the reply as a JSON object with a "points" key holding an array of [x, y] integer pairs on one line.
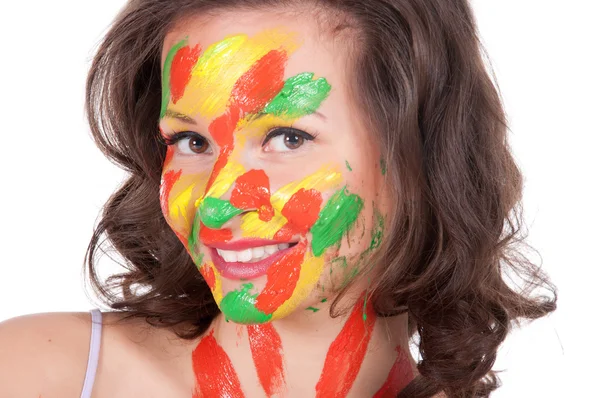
{"points": [[220, 67], [309, 275]]}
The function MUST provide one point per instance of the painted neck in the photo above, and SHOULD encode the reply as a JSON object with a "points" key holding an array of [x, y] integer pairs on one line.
{"points": [[356, 354]]}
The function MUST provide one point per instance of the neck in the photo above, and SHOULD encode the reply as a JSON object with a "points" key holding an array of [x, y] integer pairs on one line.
{"points": [[306, 354]]}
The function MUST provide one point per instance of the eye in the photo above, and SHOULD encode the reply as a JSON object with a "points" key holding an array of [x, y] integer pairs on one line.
{"points": [[285, 139], [189, 143]]}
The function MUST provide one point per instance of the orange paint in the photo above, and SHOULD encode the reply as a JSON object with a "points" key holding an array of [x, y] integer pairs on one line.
{"points": [[399, 377], [301, 211], [209, 276], [169, 179], [282, 278], [215, 375], [253, 90], [346, 353], [267, 350], [209, 236], [181, 70], [252, 192], [168, 156]]}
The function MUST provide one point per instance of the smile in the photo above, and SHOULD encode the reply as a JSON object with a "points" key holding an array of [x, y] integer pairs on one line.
{"points": [[248, 259]]}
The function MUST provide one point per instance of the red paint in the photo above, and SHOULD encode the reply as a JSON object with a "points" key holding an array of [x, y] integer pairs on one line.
{"points": [[252, 91], [169, 180], [302, 211], [261, 83], [221, 130], [282, 277], [252, 192], [215, 375], [168, 156], [346, 353], [267, 350], [181, 70], [400, 375], [209, 236], [209, 276]]}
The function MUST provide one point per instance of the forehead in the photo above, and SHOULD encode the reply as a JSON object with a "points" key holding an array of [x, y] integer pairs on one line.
{"points": [[313, 50]]}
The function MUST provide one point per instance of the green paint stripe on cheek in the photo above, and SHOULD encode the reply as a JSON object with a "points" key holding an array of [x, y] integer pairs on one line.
{"points": [[338, 215], [216, 212], [300, 96], [166, 76]]}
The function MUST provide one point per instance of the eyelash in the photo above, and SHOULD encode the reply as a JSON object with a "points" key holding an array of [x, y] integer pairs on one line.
{"points": [[275, 132]]}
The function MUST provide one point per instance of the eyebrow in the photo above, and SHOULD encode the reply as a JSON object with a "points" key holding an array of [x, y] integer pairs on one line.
{"points": [[179, 116], [187, 119]]}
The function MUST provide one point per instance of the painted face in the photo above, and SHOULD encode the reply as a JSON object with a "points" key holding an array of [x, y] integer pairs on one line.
{"points": [[270, 181]]}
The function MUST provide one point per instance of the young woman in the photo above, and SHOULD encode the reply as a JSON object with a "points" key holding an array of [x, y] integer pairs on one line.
{"points": [[312, 183]]}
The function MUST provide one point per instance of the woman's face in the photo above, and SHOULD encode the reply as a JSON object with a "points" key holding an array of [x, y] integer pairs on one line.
{"points": [[270, 180]]}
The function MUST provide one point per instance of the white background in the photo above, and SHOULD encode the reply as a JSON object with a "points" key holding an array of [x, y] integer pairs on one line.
{"points": [[545, 56]]}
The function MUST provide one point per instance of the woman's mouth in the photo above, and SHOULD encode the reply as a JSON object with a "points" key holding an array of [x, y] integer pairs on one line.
{"points": [[248, 259]]}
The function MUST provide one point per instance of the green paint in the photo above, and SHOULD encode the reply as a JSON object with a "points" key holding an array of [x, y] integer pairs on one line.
{"points": [[239, 307], [377, 233], [336, 218], [348, 166], [198, 260], [300, 96], [365, 309], [216, 212], [313, 309], [195, 233], [383, 165], [166, 76], [324, 300]]}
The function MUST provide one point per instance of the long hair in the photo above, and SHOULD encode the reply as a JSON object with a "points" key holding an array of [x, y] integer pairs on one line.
{"points": [[419, 78]]}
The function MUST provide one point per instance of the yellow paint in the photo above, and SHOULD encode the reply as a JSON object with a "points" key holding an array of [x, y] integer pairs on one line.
{"points": [[224, 180], [309, 275], [254, 227], [323, 180], [179, 205], [222, 64]]}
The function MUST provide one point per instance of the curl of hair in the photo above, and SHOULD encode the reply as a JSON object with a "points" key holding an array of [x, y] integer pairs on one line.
{"points": [[456, 234]]}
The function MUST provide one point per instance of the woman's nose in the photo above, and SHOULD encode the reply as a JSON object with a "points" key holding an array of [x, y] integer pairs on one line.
{"points": [[250, 192]]}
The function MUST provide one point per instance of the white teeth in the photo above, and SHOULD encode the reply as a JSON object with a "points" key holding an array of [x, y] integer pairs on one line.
{"points": [[251, 255], [271, 249], [244, 255], [258, 252]]}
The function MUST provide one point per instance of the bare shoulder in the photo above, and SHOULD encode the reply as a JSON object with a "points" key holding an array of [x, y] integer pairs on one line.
{"points": [[44, 354]]}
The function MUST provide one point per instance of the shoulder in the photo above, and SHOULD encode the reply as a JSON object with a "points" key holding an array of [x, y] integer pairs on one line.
{"points": [[44, 354]]}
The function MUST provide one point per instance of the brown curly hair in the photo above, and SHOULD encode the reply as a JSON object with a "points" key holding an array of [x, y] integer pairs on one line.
{"points": [[456, 233]]}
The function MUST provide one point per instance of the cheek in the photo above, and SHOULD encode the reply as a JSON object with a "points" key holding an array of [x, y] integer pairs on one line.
{"points": [[178, 195]]}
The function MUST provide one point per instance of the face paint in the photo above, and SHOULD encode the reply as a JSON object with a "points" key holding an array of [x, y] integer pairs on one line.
{"points": [[215, 378], [346, 353], [266, 348], [399, 377]]}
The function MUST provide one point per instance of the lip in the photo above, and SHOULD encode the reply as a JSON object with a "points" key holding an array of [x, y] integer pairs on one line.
{"points": [[239, 270], [243, 244]]}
